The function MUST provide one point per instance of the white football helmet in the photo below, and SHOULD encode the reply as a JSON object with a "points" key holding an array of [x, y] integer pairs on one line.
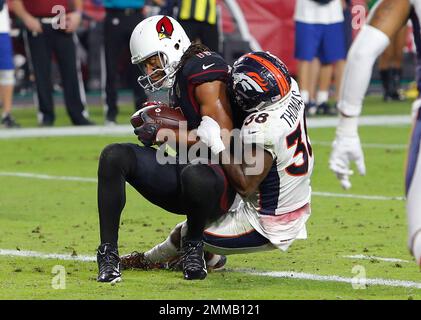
{"points": [[162, 36]]}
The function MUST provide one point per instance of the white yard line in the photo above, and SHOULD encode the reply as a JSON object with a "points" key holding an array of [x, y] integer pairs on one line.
{"points": [[274, 274], [46, 177], [128, 129], [366, 145], [356, 196], [366, 257], [362, 121], [334, 278], [66, 131], [94, 180], [34, 254]]}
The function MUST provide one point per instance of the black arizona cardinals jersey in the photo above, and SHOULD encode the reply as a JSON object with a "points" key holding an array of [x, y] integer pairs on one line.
{"points": [[200, 68]]}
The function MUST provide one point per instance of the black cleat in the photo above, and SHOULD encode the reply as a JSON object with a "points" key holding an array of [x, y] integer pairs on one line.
{"points": [[84, 122], [214, 262], [326, 109], [394, 96], [194, 265], [137, 260], [310, 109], [9, 122], [108, 263]]}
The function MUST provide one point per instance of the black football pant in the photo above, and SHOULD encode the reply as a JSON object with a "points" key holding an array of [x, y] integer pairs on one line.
{"points": [[199, 191], [118, 27], [41, 48]]}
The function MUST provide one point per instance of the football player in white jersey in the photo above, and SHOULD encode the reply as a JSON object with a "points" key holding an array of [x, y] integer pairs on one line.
{"points": [[385, 20], [273, 184]]}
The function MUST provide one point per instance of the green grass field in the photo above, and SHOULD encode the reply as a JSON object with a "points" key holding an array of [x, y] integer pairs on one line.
{"points": [[59, 216]]}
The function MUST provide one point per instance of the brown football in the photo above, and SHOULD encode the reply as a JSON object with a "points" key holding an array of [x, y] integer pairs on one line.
{"points": [[158, 113]]}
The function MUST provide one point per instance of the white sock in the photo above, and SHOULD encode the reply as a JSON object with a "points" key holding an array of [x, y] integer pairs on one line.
{"points": [[306, 96], [413, 210], [214, 260], [162, 252], [416, 248], [322, 97], [167, 250], [365, 49]]}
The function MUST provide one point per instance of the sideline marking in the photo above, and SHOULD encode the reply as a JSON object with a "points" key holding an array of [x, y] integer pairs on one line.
{"points": [[94, 180], [365, 257], [274, 274], [128, 129], [391, 146]]}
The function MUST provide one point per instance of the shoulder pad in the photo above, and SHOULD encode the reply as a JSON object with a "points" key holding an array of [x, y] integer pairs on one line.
{"points": [[258, 129], [205, 67]]}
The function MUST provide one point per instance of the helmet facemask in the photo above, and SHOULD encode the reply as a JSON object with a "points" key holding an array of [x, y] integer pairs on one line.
{"points": [[165, 81]]}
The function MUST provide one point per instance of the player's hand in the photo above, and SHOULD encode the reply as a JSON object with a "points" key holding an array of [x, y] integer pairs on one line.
{"points": [[345, 150], [146, 133], [73, 20], [209, 133], [32, 24]]}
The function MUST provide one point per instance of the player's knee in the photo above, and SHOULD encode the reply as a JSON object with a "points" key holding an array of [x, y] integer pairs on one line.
{"points": [[115, 158], [200, 184], [369, 44]]}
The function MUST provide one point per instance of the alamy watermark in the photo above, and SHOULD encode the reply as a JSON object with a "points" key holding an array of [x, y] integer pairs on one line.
{"points": [[58, 282], [250, 155], [59, 20], [359, 281], [359, 14]]}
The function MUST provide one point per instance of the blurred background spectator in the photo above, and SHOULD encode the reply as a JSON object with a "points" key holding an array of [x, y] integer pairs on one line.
{"points": [[198, 18], [390, 64], [121, 18], [47, 35], [7, 75], [91, 39], [319, 34], [240, 26]]}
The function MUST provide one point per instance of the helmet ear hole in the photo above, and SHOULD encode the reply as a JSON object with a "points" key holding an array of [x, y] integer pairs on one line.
{"points": [[177, 46]]}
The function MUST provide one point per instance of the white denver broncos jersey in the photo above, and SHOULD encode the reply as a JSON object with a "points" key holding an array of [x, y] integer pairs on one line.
{"points": [[280, 130]]}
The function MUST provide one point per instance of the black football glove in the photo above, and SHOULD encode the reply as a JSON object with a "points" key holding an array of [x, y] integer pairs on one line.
{"points": [[146, 133]]}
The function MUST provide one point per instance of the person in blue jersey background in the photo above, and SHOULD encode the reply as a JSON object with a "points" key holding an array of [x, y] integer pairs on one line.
{"points": [[121, 18]]}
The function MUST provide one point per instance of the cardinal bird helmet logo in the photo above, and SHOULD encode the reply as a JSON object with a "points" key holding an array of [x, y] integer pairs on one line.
{"points": [[165, 28]]}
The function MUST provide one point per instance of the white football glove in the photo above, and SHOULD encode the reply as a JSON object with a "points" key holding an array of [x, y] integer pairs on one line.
{"points": [[346, 149], [209, 133]]}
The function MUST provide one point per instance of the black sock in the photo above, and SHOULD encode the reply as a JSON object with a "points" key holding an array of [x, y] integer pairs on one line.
{"points": [[385, 76], [396, 75], [115, 164]]}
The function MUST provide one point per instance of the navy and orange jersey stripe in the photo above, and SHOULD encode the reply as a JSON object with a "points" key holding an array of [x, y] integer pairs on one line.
{"points": [[269, 192]]}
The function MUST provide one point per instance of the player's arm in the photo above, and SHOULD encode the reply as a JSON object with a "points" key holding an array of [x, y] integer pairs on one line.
{"points": [[247, 176], [74, 18], [385, 20], [214, 103], [31, 23]]}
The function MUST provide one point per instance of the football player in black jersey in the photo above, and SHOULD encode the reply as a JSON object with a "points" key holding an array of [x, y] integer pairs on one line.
{"points": [[196, 78]]}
